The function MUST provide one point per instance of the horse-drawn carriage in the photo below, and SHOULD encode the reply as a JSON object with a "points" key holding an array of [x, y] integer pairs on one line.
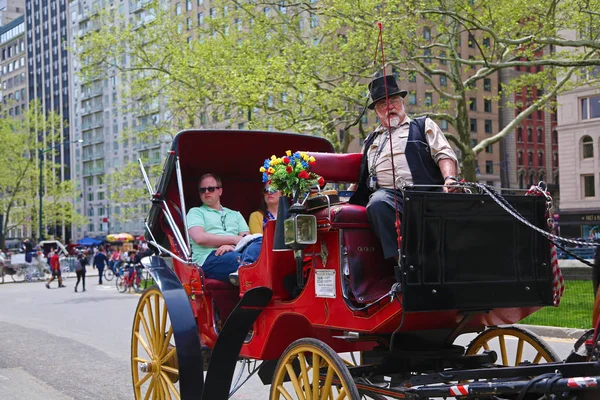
{"points": [[466, 265]]}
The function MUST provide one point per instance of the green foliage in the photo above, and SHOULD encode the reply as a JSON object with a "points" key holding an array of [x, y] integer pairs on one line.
{"points": [[19, 187], [303, 66]]}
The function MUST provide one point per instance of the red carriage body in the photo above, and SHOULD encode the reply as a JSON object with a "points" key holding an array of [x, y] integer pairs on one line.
{"points": [[447, 294]]}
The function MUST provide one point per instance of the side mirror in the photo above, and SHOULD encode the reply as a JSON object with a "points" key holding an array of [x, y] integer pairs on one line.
{"points": [[300, 230]]}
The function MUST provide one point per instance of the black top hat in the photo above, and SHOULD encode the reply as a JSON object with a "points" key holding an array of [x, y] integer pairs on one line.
{"points": [[377, 89]]}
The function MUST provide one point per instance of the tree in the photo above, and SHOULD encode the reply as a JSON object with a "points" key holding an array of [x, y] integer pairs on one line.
{"points": [[303, 66], [19, 186]]}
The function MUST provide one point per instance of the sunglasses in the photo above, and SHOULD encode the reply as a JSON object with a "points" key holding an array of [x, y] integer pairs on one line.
{"points": [[210, 189], [223, 225], [270, 190]]}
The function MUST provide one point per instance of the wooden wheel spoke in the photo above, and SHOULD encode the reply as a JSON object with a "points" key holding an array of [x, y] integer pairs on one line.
{"points": [[503, 351], [294, 380], [143, 380], [326, 392], [519, 355], [165, 392], [157, 316], [151, 318], [342, 394], [167, 339], [141, 360], [170, 370], [305, 379], [315, 369], [147, 330], [150, 390], [486, 346], [170, 385], [284, 392], [169, 355], [538, 357], [143, 343]]}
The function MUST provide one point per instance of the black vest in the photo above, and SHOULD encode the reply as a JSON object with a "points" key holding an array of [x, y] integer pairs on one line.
{"points": [[423, 168]]}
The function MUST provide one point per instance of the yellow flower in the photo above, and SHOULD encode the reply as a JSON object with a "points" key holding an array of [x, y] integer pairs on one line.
{"points": [[288, 153], [311, 159], [303, 155], [271, 170], [272, 162], [262, 169]]}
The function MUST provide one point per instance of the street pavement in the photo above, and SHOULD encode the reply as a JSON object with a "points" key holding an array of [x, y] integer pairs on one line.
{"points": [[60, 345]]}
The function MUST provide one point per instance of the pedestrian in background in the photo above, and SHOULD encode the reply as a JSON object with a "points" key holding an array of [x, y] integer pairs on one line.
{"points": [[80, 263], [55, 265], [100, 261]]}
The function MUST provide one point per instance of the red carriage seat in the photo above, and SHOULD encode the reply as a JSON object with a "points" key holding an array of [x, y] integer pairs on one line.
{"points": [[224, 294]]}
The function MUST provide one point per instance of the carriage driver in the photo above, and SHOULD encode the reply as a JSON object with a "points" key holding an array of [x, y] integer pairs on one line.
{"points": [[215, 230], [422, 156]]}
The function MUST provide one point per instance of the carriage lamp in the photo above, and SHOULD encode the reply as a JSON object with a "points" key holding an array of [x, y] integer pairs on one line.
{"points": [[300, 230]]}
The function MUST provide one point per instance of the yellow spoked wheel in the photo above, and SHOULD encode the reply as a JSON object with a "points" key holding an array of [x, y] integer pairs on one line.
{"points": [[513, 346], [153, 356], [297, 378]]}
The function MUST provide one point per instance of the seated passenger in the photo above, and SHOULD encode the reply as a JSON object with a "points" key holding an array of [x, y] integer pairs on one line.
{"points": [[216, 230], [421, 156], [268, 210]]}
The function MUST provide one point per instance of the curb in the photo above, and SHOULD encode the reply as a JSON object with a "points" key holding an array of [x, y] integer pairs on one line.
{"points": [[555, 332]]}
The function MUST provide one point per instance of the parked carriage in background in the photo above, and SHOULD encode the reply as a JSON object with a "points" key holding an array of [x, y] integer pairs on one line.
{"points": [[466, 266]]}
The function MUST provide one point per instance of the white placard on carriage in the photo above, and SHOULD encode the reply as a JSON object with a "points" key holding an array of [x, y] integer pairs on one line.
{"points": [[325, 283]]}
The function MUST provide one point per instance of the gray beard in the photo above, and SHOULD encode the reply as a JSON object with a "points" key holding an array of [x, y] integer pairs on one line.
{"points": [[394, 122]]}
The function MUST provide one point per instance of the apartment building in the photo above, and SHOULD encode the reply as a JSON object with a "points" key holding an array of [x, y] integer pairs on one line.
{"points": [[48, 79], [13, 77], [106, 130], [578, 133], [10, 10]]}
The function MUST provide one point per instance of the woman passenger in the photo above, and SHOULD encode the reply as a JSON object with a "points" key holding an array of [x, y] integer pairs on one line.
{"points": [[267, 212]]}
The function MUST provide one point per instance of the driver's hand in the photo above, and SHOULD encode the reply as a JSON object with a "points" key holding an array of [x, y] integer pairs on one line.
{"points": [[226, 248], [451, 186]]}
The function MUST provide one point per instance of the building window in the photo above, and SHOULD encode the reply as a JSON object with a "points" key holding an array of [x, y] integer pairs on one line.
{"points": [[489, 149], [520, 134], [488, 126], [590, 107], [555, 137], [200, 19], [587, 147], [188, 5], [489, 167], [471, 41], [428, 99], [529, 135], [412, 77], [427, 54], [589, 190], [412, 98], [540, 159], [473, 124], [487, 84], [540, 115], [473, 104], [444, 125], [178, 9], [487, 105], [443, 81], [427, 33], [443, 60], [521, 183], [540, 135], [555, 160], [520, 158], [530, 158]]}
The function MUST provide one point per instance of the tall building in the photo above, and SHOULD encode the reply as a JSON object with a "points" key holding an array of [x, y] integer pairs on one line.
{"points": [[579, 144], [10, 10], [48, 77], [13, 92], [108, 146], [531, 152]]}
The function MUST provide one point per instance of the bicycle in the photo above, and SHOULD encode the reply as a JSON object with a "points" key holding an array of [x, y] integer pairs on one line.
{"points": [[129, 278], [112, 271]]}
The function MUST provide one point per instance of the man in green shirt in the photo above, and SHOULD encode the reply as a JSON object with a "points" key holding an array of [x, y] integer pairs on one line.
{"points": [[216, 230]]}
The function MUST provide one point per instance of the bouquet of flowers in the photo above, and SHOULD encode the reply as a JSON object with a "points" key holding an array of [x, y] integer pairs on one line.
{"points": [[290, 173]]}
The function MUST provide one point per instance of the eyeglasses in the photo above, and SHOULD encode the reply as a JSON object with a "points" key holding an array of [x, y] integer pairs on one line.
{"points": [[223, 216], [381, 104], [210, 189], [270, 190]]}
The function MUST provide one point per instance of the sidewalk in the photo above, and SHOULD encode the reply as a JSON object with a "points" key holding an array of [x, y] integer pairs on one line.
{"points": [[554, 331]]}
